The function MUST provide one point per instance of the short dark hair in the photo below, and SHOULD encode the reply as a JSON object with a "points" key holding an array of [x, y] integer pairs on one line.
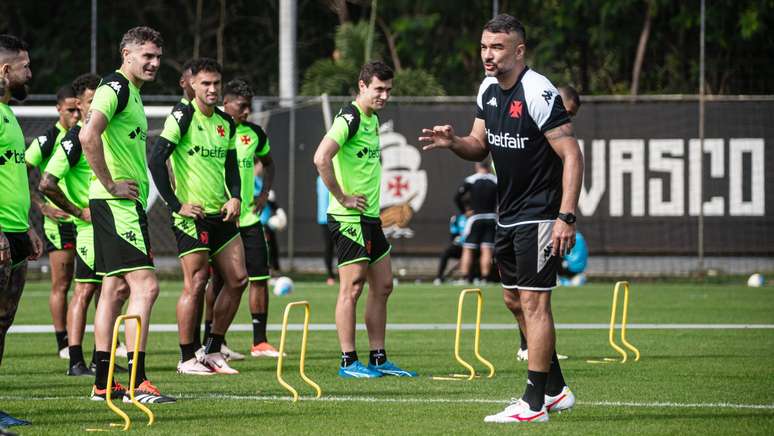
{"points": [[64, 93], [140, 35], [84, 82], [10, 44], [505, 23], [572, 94], [238, 88], [204, 64], [187, 65], [375, 68]]}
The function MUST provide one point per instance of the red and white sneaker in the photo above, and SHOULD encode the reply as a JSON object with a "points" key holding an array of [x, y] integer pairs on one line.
{"points": [[218, 363], [518, 411], [264, 349], [560, 402]]}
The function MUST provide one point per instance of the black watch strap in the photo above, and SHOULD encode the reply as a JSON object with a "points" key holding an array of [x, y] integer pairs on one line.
{"points": [[567, 217]]}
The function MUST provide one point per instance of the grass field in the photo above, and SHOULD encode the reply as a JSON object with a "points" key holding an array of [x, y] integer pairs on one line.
{"points": [[702, 381]]}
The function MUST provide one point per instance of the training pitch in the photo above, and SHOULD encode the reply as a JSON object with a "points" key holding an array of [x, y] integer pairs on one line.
{"points": [[707, 367]]}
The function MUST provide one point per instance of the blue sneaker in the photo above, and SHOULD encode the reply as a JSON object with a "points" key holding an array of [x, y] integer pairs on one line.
{"points": [[389, 368], [358, 370], [7, 420]]}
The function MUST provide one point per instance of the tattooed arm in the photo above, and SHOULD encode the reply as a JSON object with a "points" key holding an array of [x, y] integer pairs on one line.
{"points": [[564, 143]]}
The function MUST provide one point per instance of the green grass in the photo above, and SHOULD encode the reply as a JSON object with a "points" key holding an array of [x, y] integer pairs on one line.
{"points": [[678, 366]]}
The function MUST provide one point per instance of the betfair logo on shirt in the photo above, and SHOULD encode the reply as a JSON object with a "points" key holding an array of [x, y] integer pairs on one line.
{"points": [[505, 140], [245, 163], [13, 157], [218, 153], [370, 154]]}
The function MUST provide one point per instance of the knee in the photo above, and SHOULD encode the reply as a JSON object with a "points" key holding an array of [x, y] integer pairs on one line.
{"points": [[237, 281], [352, 289], [198, 282], [150, 293], [385, 289], [512, 302]]}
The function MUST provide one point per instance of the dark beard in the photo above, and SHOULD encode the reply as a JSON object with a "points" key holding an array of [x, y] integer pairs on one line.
{"points": [[19, 92]]}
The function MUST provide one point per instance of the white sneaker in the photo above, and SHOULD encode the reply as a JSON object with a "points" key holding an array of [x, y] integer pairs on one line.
{"points": [[560, 402], [64, 353], [192, 366], [121, 351], [518, 411], [230, 354], [218, 363]]}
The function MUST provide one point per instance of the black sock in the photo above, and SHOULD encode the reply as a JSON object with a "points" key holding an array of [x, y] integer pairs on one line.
{"points": [[259, 328], [188, 351], [523, 345], [555, 382], [348, 358], [213, 343], [76, 354], [535, 393], [61, 340], [207, 329], [377, 357], [103, 362], [197, 339], [140, 367]]}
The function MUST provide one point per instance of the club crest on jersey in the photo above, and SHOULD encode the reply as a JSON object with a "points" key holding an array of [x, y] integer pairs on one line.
{"points": [[245, 139], [515, 110], [221, 131], [115, 85]]}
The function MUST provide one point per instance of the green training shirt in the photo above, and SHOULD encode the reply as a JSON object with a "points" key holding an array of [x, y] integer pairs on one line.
{"points": [[15, 203], [123, 140], [357, 164], [251, 141], [40, 152], [199, 157], [69, 165]]}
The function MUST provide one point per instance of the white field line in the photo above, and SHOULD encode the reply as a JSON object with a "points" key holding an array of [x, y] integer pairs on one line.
{"points": [[47, 328], [346, 399]]}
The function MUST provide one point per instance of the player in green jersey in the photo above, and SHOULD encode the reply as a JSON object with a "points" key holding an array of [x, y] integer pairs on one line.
{"points": [[68, 166], [113, 140], [18, 241], [58, 226], [252, 146], [349, 162], [199, 140]]}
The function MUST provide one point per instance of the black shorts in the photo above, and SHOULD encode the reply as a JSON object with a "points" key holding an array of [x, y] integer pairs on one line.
{"points": [[121, 241], [208, 234], [362, 241], [523, 255], [21, 247], [85, 256], [58, 235], [479, 231], [256, 252]]}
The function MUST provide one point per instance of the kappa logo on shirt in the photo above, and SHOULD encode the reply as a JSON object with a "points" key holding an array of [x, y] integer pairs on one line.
{"points": [[177, 115], [348, 118], [492, 102], [115, 85], [67, 145], [11, 156], [42, 140], [547, 95]]}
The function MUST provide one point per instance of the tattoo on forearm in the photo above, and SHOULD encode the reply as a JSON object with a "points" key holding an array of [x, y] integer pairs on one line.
{"points": [[88, 118], [560, 132]]}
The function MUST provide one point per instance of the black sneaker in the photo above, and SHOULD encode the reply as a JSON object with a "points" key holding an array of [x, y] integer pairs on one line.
{"points": [[79, 369]]}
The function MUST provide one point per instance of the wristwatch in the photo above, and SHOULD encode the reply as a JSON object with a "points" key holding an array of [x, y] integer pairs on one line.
{"points": [[567, 217]]}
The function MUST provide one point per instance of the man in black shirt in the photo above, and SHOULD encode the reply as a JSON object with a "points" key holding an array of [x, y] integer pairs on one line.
{"points": [[521, 121], [479, 231]]}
